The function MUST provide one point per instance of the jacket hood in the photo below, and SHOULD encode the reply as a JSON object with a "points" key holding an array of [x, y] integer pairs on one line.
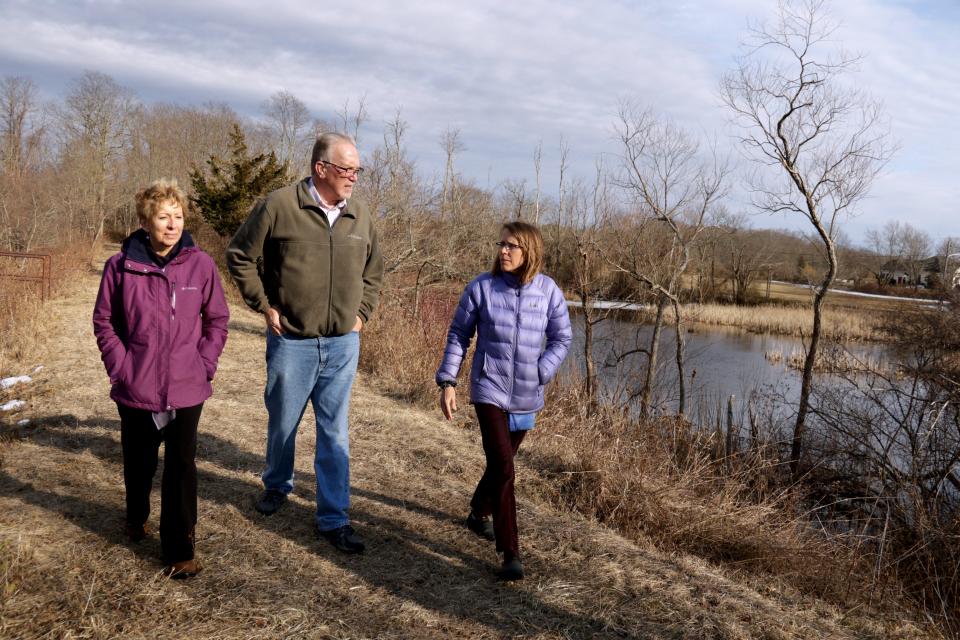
{"points": [[136, 246]]}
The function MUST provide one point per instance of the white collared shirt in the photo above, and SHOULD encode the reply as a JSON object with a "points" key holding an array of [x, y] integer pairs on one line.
{"points": [[332, 212]]}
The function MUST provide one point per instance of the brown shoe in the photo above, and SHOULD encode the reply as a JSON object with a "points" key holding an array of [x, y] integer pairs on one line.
{"points": [[183, 569], [136, 532]]}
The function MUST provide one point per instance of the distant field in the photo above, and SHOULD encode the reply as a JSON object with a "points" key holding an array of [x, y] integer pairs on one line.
{"points": [[789, 294]]}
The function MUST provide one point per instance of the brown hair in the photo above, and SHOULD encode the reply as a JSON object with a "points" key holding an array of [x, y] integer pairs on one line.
{"points": [[157, 193], [531, 243]]}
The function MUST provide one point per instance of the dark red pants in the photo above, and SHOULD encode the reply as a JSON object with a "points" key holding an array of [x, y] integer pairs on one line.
{"points": [[494, 494], [141, 440]]}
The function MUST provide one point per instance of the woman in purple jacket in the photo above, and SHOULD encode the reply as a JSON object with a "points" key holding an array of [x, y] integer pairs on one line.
{"points": [[512, 309], [161, 323]]}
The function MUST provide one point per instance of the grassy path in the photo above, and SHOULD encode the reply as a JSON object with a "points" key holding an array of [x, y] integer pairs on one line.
{"points": [[66, 571]]}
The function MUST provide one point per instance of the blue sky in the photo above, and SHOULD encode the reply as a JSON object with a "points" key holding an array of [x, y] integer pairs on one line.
{"points": [[507, 76]]}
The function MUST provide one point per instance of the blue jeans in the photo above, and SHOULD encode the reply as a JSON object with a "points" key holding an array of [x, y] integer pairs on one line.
{"points": [[320, 370]]}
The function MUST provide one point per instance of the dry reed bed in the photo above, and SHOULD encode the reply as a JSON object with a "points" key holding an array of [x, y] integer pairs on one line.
{"points": [[830, 360], [838, 325], [67, 572]]}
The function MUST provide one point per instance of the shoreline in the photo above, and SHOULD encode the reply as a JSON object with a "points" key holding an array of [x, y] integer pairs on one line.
{"points": [[769, 319]]}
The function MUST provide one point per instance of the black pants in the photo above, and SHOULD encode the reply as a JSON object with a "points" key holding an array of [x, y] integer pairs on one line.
{"points": [[141, 440], [494, 494]]}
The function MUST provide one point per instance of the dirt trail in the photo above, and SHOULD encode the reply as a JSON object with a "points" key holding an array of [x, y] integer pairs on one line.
{"points": [[68, 572]]}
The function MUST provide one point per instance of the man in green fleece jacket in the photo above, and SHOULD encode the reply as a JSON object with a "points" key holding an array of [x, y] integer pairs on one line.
{"points": [[307, 258]]}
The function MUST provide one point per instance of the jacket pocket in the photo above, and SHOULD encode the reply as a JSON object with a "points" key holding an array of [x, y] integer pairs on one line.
{"points": [[123, 375], [542, 374], [494, 373]]}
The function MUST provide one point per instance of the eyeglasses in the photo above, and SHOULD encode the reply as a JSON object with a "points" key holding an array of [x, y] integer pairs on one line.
{"points": [[346, 172], [508, 245]]}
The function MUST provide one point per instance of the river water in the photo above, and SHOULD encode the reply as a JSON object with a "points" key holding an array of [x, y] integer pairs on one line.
{"points": [[719, 362]]}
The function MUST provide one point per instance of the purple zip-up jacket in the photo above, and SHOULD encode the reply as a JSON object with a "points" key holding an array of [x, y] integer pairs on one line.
{"points": [[160, 330], [511, 364]]}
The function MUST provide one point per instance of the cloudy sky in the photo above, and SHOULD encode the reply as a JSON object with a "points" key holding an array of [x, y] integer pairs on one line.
{"points": [[507, 75]]}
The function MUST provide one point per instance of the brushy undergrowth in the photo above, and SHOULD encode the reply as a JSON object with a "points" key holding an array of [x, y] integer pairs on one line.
{"points": [[22, 315], [403, 346]]}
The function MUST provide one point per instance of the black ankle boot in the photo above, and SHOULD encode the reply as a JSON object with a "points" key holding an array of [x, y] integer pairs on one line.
{"points": [[511, 570], [482, 526]]}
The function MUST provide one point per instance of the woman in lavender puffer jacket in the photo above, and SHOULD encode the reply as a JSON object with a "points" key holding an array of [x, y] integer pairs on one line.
{"points": [[161, 322], [512, 309]]}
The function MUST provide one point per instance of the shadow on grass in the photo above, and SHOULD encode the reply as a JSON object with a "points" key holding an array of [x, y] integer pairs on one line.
{"points": [[409, 564], [249, 328]]}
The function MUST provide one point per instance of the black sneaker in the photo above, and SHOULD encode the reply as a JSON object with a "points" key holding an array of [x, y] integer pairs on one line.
{"points": [[344, 539], [481, 525], [511, 570], [270, 501]]}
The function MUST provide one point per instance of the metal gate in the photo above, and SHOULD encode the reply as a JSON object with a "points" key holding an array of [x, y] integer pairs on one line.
{"points": [[7, 258]]}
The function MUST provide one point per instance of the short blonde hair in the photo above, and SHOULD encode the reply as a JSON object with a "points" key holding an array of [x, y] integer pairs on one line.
{"points": [[531, 244], [158, 193]]}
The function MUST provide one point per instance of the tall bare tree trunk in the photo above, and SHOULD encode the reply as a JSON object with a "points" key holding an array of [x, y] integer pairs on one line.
{"points": [[646, 392], [590, 381], [681, 345], [796, 447]]}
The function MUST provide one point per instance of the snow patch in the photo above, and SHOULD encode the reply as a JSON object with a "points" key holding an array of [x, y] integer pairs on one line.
{"points": [[6, 383], [13, 405], [23, 423]]}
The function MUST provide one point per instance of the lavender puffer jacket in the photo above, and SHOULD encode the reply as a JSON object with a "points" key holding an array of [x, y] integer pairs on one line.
{"points": [[511, 364], [160, 330]]}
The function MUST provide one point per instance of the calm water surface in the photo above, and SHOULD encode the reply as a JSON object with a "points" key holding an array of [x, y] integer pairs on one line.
{"points": [[719, 363]]}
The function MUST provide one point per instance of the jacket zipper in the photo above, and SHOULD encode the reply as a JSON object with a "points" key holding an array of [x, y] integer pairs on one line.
{"points": [[173, 302], [162, 273], [513, 369], [330, 273]]}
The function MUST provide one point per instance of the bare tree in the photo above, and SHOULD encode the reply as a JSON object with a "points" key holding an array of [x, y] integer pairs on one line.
{"points": [[451, 145], [747, 256], [917, 246], [886, 247], [516, 198], [391, 188], [537, 166], [673, 190], [95, 122], [19, 125], [899, 247], [948, 251], [350, 121], [288, 123], [589, 210], [821, 142]]}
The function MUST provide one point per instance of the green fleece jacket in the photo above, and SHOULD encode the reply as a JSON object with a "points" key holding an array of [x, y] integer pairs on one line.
{"points": [[287, 256]]}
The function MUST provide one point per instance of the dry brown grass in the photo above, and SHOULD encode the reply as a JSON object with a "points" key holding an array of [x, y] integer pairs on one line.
{"points": [[662, 482], [839, 324], [404, 346], [832, 359], [22, 315], [67, 572]]}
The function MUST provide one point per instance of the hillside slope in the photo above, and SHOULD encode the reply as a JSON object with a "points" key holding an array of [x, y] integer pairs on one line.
{"points": [[68, 572]]}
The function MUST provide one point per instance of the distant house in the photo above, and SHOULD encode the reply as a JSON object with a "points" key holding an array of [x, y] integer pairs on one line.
{"points": [[898, 272], [956, 279], [895, 272]]}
